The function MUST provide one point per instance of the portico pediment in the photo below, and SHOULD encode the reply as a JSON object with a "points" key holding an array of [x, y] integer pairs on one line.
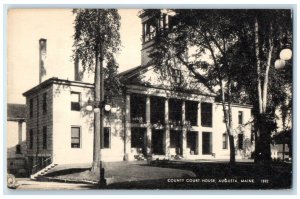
{"points": [[173, 80]]}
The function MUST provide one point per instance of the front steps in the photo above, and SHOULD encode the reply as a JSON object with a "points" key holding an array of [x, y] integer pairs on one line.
{"points": [[42, 172]]}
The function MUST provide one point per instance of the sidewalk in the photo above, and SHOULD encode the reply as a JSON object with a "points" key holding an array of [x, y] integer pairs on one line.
{"points": [[27, 184]]}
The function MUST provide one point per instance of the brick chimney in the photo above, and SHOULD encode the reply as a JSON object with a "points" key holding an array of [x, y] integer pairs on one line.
{"points": [[77, 73], [43, 55]]}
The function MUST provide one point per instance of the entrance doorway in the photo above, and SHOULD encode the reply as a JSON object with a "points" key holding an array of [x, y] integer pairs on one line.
{"points": [[157, 142], [176, 141], [206, 143], [138, 140], [192, 142]]}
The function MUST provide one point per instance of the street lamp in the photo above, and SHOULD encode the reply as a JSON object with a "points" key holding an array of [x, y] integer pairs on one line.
{"points": [[96, 106], [285, 55]]}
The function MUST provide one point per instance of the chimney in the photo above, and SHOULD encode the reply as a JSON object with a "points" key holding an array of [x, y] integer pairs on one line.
{"points": [[42, 67], [77, 74]]}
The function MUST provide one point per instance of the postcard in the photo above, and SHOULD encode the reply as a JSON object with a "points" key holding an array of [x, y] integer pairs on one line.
{"points": [[189, 99]]}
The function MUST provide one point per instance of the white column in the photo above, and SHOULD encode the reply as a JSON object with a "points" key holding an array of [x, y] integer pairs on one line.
{"points": [[127, 129], [184, 132], [199, 114], [148, 122], [199, 128], [167, 129]]}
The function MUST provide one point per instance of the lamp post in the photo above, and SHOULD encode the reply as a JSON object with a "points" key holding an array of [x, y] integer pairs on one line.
{"points": [[285, 55], [96, 107]]}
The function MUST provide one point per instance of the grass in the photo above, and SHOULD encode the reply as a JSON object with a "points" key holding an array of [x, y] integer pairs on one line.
{"points": [[185, 175]]}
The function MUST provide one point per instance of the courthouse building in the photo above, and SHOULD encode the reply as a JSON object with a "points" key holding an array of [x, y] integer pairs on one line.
{"points": [[159, 115]]}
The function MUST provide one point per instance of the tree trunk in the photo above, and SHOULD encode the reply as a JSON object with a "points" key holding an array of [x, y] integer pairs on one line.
{"points": [[228, 123], [97, 117], [232, 149], [263, 134]]}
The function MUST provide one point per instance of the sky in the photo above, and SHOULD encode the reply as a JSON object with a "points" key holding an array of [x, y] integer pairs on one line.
{"points": [[26, 26]]}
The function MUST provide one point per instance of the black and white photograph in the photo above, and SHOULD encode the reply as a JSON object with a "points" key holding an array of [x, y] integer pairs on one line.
{"points": [[149, 99]]}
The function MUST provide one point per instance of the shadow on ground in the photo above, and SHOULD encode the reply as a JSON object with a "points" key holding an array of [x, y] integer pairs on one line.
{"points": [[189, 175]]}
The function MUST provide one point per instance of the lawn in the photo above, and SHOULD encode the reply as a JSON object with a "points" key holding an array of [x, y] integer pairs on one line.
{"points": [[184, 175]]}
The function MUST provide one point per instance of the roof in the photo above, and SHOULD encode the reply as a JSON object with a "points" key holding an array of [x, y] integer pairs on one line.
{"points": [[125, 75], [16, 112], [128, 77], [55, 80]]}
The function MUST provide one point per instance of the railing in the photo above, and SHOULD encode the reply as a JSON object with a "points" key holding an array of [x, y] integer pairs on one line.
{"points": [[42, 164]]}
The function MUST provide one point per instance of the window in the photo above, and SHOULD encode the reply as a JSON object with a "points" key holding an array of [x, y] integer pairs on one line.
{"points": [[206, 143], [167, 21], [75, 137], [240, 140], [138, 108], [240, 115], [75, 101], [191, 110], [18, 149], [44, 137], [149, 29], [106, 137], [45, 103], [206, 114], [176, 76], [31, 108], [30, 139], [137, 137], [225, 140], [157, 110], [175, 111], [175, 137]]}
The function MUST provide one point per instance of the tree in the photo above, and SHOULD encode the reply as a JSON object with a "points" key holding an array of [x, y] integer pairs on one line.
{"points": [[96, 39], [208, 32], [263, 34], [242, 50], [270, 28]]}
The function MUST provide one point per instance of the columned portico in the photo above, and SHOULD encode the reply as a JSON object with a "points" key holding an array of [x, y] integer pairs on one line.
{"points": [[163, 127]]}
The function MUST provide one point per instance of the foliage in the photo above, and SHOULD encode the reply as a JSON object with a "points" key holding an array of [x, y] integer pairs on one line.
{"points": [[112, 84], [96, 39], [213, 36], [239, 72], [96, 29]]}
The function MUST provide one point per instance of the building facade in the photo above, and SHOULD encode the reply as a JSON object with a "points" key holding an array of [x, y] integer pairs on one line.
{"points": [[149, 121], [160, 115]]}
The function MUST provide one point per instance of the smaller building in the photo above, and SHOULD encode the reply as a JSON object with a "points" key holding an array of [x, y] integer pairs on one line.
{"points": [[16, 140], [281, 146], [57, 130]]}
